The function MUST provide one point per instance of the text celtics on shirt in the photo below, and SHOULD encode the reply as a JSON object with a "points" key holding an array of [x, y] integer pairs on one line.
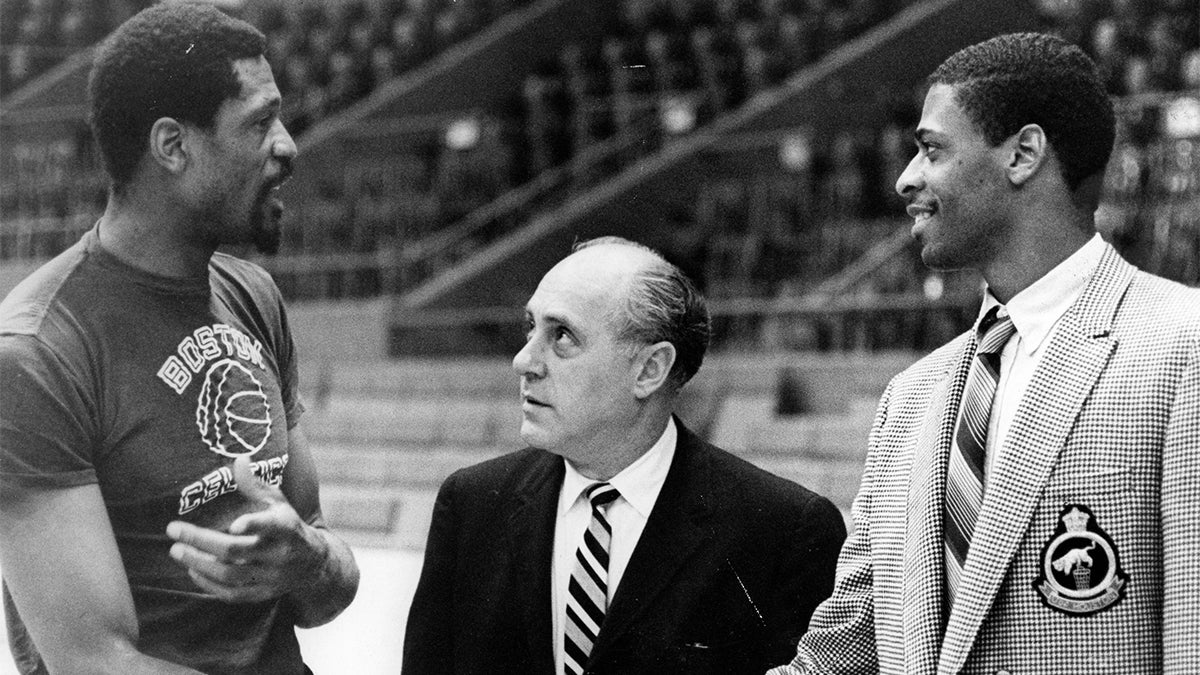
{"points": [[233, 413]]}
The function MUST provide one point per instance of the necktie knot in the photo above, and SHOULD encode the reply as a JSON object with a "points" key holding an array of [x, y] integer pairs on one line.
{"points": [[601, 495], [994, 331]]}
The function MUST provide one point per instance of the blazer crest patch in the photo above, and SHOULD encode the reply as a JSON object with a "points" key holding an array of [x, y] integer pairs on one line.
{"points": [[1081, 573]]}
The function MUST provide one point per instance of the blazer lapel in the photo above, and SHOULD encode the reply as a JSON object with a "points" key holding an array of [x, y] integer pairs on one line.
{"points": [[530, 542], [923, 547], [673, 532], [1075, 357]]}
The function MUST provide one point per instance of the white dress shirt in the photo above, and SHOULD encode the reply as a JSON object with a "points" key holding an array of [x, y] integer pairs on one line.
{"points": [[1035, 312], [639, 485]]}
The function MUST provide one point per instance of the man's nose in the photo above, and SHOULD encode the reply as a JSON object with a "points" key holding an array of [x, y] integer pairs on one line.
{"points": [[909, 180], [283, 146], [525, 362]]}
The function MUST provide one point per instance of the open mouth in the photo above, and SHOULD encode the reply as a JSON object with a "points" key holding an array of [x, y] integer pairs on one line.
{"points": [[271, 187], [920, 212], [269, 199], [270, 206]]}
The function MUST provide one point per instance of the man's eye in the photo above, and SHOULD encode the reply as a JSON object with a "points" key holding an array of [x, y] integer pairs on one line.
{"points": [[562, 335]]}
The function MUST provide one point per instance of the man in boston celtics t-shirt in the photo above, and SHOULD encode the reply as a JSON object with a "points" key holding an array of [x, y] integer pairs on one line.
{"points": [[158, 505]]}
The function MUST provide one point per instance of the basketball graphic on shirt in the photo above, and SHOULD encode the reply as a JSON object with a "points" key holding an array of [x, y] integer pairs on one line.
{"points": [[232, 412]]}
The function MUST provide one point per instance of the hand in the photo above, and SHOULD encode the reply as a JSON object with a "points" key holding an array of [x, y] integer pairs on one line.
{"points": [[265, 554]]}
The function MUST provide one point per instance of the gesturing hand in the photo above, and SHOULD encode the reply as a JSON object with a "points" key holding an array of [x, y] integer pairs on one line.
{"points": [[265, 554]]}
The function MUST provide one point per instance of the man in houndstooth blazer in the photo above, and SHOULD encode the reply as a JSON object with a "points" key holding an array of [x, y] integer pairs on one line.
{"points": [[1086, 554]]}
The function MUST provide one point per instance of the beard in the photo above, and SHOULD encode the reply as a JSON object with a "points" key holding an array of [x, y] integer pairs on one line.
{"points": [[266, 229]]}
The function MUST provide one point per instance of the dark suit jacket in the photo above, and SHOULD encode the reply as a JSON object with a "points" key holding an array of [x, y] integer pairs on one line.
{"points": [[732, 562]]}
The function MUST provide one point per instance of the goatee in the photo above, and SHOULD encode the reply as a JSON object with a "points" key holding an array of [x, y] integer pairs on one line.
{"points": [[267, 230]]}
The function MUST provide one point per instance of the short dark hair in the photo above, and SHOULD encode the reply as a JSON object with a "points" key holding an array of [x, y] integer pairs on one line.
{"points": [[1031, 78], [172, 59], [663, 305]]}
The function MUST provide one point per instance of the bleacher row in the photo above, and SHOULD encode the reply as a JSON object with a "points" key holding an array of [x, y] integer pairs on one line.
{"points": [[591, 104], [35, 35], [670, 66], [328, 56], [592, 109], [663, 69]]}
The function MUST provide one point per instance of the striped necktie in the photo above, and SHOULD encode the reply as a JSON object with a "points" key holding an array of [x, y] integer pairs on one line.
{"points": [[587, 596], [964, 478]]}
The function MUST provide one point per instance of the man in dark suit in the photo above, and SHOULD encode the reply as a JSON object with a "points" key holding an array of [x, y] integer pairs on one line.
{"points": [[619, 542]]}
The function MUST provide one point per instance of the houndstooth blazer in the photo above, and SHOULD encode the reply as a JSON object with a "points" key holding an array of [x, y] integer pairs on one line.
{"points": [[1099, 476]]}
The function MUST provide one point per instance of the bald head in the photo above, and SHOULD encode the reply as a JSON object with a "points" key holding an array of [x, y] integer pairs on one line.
{"points": [[647, 299], [600, 277], [604, 264]]}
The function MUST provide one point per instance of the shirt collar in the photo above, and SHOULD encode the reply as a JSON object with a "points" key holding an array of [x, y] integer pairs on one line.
{"points": [[639, 483], [1038, 308]]}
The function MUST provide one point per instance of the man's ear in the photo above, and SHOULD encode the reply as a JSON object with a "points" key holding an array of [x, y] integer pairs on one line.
{"points": [[654, 368], [1030, 150], [168, 144]]}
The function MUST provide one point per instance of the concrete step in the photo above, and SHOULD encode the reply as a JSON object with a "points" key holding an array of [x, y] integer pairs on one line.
{"points": [[389, 465], [803, 382], [414, 378], [370, 419], [383, 495], [750, 425], [833, 436]]}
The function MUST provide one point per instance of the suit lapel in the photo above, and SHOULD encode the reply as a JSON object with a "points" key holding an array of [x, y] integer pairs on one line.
{"points": [[923, 549], [1075, 357], [530, 542], [673, 532]]}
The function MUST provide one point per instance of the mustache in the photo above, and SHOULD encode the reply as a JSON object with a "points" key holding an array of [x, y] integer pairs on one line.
{"points": [[286, 168]]}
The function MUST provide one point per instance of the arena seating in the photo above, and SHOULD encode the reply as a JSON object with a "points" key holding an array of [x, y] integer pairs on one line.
{"points": [[581, 112], [327, 56], [35, 35], [815, 227], [1150, 55], [330, 55], [662, 71], [582, 108], [743, 240]]}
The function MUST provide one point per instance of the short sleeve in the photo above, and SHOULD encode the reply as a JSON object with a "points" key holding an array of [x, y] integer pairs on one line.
{"points": [[47, 426], [289, 376]]}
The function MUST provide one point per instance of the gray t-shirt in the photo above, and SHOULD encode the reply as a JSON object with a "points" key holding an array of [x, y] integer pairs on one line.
{"points": [[150, 387]]}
